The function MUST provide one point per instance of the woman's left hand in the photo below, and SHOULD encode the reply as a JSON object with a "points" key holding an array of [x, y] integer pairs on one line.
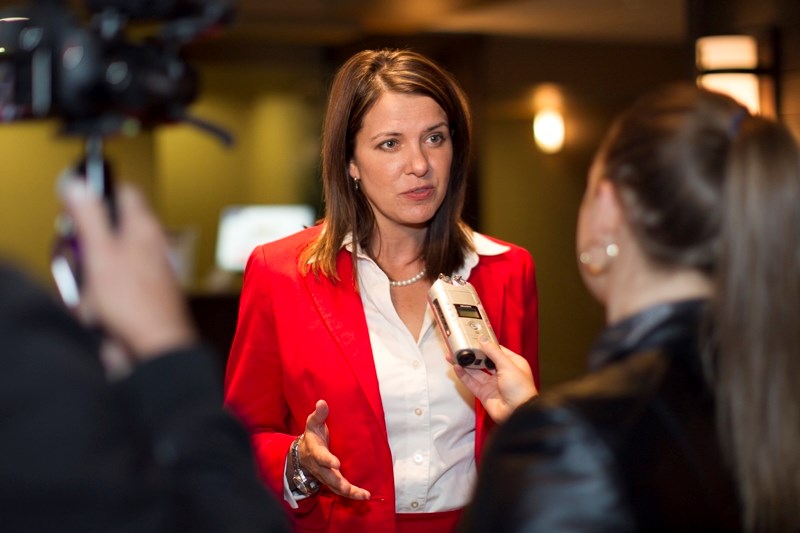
{"points": [[316, 457], [504, 389]]}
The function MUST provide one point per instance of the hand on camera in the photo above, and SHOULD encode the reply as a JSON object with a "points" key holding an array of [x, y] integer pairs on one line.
{"points": [[129, 288], [316, 458], [504, 389]]}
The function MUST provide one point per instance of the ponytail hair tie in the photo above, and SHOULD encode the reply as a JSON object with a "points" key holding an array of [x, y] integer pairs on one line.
{"points": [[736, 122]]}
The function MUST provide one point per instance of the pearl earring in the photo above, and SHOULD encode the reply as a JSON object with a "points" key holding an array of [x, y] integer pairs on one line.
{"points": [[597, 258]]}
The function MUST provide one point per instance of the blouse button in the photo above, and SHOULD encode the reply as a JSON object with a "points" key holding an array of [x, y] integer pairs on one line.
{"points": [[415, 364], [414, 505], [418, 411]]}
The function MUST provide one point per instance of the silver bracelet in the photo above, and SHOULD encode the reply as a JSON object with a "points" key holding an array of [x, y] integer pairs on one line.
{"points": [[305, 483]]}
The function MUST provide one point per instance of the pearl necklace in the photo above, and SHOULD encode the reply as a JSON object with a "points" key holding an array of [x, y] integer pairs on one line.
{"points": [[408, 281]]}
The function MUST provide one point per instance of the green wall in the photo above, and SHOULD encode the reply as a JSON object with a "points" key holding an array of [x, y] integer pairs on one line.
{"points": [[531, 198], [33, 155], [274, 159]]}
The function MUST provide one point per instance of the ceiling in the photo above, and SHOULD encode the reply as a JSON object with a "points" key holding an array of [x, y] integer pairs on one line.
{"points": [[342, 21]]}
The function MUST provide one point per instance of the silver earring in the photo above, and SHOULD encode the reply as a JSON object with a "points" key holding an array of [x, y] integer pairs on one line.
{"points": [[356, 183]]}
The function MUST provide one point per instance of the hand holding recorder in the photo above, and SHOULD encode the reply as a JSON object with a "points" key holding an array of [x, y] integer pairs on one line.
{"points": [[498, 377], [504, 389]]}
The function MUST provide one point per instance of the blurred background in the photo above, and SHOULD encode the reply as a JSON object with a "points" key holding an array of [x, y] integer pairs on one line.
{"points": [[264, 78]]}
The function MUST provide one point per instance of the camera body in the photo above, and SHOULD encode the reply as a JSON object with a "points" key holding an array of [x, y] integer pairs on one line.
{"points": [[95, 75], [100, 80], [461, 320]]}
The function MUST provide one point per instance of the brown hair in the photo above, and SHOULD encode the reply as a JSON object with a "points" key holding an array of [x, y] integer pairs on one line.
{"points": [[705, 185], [356, 87]]}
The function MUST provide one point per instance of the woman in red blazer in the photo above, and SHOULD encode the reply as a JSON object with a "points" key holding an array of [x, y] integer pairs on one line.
{"points": [[337, 367]]}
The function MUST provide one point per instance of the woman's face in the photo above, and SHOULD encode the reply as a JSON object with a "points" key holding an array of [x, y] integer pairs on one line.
{"points": [[402, 158]]}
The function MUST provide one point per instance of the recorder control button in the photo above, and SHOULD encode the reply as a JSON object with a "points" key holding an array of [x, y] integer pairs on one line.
{"points": [[477, 326]]}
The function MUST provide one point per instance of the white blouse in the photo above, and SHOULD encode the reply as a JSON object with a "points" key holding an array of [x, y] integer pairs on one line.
{"points": [[430, 414]]}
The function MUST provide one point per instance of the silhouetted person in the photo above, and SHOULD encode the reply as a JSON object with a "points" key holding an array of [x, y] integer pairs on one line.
{"points": [[148, 450]]}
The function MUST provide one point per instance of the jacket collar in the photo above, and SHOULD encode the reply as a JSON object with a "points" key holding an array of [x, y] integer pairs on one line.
{"points": [[663, 325], [340, 309]]}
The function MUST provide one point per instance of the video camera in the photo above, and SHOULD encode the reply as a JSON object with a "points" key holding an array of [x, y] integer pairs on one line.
{"points": [[96, 77], [99, 80]]}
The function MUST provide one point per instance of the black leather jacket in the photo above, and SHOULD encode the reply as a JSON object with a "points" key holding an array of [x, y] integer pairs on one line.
{"points": [[631, 446]]}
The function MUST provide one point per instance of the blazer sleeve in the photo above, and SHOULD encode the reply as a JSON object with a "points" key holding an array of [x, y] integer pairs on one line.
{"points": [[254, 384], [507, 285], [529, 304], [547, 470]]}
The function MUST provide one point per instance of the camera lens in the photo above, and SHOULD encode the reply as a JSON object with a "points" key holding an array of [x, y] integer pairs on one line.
{"points": [[465, 357]]}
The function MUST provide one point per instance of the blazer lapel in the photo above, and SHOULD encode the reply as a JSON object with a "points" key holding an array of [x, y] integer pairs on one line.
{"points": [[341, 310]]}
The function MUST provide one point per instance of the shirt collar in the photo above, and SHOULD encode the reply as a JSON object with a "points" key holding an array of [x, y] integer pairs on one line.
{"points": [[483, 246]]}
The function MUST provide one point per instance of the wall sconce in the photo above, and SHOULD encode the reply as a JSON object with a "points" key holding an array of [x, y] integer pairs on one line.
{"points": [[548, 130], [730, 64]]}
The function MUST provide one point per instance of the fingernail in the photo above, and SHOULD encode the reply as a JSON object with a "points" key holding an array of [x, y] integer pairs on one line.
{"points": [[74, 191], [64, 180]]}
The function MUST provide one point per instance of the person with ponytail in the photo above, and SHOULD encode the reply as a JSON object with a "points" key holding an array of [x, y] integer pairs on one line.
{"points": [[689, 419]]}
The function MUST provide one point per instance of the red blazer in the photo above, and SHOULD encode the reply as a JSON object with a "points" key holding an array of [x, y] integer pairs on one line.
{"points": [[301, 338]]}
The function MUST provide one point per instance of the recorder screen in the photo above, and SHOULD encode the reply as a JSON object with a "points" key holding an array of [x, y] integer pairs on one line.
{"points": [[467, 311]]}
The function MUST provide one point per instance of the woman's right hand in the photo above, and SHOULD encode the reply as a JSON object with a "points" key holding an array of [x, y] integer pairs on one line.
{"points": [[130, 288], [504, 389], [317, 459]]}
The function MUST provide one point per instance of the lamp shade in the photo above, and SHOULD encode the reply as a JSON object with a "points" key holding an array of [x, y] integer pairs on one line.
{"points": [[728, 64], [718, 52]]}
